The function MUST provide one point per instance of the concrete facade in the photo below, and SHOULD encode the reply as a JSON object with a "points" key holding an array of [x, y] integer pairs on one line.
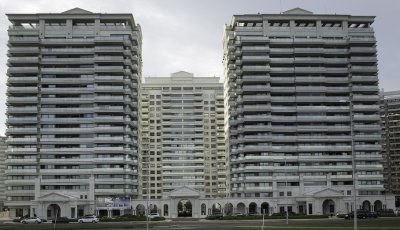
{"points": [[318, 202], [73, 81], [3, 167], [182, 135], [390, 114], [302, 100]]}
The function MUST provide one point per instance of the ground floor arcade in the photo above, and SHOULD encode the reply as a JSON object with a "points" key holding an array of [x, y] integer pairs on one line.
{"points": [[187, 202]]}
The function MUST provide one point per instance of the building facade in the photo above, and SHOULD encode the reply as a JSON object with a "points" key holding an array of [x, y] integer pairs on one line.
{"points": [[182, 135], [73, 81], [3, 167], [390, 110], [302, 100]]}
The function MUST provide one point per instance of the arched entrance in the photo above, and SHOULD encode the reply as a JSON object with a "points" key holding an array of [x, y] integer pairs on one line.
{"points": [[377, 205], [140, 210], [203, 209], [241, 208], [216, 208], [53, 211], [252, 208], [228, 209], [166, 210], [366, 205], [328, 207], [265, 208], [153, 208], [184, 208]]}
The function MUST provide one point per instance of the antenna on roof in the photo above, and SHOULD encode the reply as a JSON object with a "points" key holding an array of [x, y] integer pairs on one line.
{"points": [[280, 6]]}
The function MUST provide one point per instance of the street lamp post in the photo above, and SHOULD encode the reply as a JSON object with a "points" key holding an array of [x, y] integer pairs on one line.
{"points": [[148, 195], [353, 163], [287, 207]]}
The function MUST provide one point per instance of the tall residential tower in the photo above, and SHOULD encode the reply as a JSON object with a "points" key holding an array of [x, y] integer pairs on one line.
{"points": [[182, 135], [390, 108], [73, 81], [302, 97]]}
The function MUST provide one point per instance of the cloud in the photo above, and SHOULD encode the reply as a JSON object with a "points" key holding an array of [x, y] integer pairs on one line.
{"points": [[187, 35]]}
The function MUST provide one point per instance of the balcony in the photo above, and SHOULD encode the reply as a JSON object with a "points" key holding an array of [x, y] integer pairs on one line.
{"points": [[335, 51], [22, 50], [255, 59], [24, 100], [362, 50], [309, 60], [366, 97], [22, 89], [281, 51], [23, 60], [310, 69], [255, 78], [364, 78], [109, 88], [26, 109], [361, 59], [33, 69], [63, 41], [256, 88], [24, 40], [366, 117], [282, 70], [261, 49], [67, 70], [25, 80], [110, 98], [308, 50], [67, 50], [364, 69]]}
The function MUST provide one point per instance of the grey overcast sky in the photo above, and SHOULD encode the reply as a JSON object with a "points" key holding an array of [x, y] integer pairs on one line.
{"points": [[187, 34]]}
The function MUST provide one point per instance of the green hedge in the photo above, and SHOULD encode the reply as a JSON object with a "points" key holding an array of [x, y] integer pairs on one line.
{"points": [[273, 216], [128, 218]]}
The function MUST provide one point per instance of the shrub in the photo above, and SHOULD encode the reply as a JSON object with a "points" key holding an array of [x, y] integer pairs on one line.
{"points": [[128, 218], [273, 216]]}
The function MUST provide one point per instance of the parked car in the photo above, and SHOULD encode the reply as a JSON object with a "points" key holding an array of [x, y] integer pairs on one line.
{"points": [[153, 215], [89, 219], [31, 220], [237, 214], [60, 220], [361, 214], [216, 215]]}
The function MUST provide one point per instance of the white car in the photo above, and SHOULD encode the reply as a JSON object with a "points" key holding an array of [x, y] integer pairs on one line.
{"points": [[153, 215], [89, 219], [31, 220]]}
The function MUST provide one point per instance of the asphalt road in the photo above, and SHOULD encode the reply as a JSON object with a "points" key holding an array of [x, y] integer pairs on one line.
{"points": [[201, 224]]}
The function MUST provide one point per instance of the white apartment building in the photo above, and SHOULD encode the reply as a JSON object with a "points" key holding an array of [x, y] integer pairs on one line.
{"points": [[3, 167], [182, 135], [301, 93], [390, 115], [73, 81]]}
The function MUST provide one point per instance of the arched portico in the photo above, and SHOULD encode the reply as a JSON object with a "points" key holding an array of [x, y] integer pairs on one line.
{"points": [[53, 211], [140, 210], [184, 208], [328, 207], [228, 209], [241, 208], [366, 205], [253, 208], [378, 205], [265, 208]]}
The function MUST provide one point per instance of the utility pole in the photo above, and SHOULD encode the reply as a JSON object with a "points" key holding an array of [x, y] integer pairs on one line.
{"points": [[148, 194], [353, 161]]}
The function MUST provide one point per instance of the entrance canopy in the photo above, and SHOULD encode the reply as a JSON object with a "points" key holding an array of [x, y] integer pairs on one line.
{"points": [[184, 192]]}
